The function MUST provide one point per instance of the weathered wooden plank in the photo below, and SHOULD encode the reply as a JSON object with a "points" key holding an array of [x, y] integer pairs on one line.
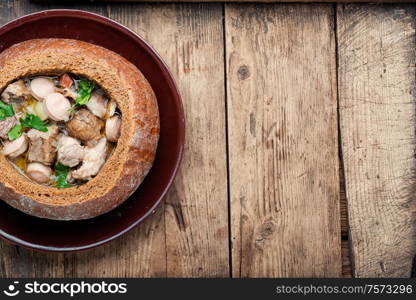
{"points": [[377, 109], [188, 236], [190, 39], [140, 253], [283, 140]]}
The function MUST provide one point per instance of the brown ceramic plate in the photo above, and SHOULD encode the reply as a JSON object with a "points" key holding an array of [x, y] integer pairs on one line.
{"points": [[47, 235]]}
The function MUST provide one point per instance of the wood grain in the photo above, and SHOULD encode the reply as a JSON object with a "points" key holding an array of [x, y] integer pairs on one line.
{"points": [[190, 39], [377, 110], [281, 71], [188, 235]]}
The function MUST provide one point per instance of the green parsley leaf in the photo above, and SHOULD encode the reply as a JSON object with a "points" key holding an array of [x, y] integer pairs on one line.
{"points": [[15, 132], [61, 173], [32, 121], [84, 91], [6, 110]]}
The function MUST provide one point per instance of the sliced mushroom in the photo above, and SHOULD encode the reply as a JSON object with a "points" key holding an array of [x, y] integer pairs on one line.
{"points": [[57, 107], [15, 148], [97, 105], [38, 172], [42, 87], [113, 128]]}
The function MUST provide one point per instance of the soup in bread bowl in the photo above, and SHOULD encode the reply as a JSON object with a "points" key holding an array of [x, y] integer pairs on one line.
{"points": [[79, 128]]}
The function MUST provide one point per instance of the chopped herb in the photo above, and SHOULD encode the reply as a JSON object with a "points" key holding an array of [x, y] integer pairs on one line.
{"points": [[6, 110], [61, 173], [32, 121], [84, 91], [15, 132]]}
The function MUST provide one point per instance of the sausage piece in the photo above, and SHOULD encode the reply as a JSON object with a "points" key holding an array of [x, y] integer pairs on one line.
{"points": [[113, 128], [38, 172], [111, 109], [15, 148], [42, 87], [57, 107]]}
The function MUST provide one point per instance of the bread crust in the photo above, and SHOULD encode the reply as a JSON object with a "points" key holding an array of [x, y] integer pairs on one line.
{"points": [[135, 152]]}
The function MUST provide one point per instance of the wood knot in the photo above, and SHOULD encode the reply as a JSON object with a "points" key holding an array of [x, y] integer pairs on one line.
{"points": [[267, 229], [244, 218], [243, 72]]}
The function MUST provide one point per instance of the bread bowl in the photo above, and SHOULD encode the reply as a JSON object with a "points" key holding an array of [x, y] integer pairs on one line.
{"points": [[134, 153]]}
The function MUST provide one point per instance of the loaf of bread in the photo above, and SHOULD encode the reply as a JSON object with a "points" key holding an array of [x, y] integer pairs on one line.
{"points": [[136, 148]]}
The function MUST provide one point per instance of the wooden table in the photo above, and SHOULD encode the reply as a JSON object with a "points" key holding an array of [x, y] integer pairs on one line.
{"points": [[283, 101]]}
